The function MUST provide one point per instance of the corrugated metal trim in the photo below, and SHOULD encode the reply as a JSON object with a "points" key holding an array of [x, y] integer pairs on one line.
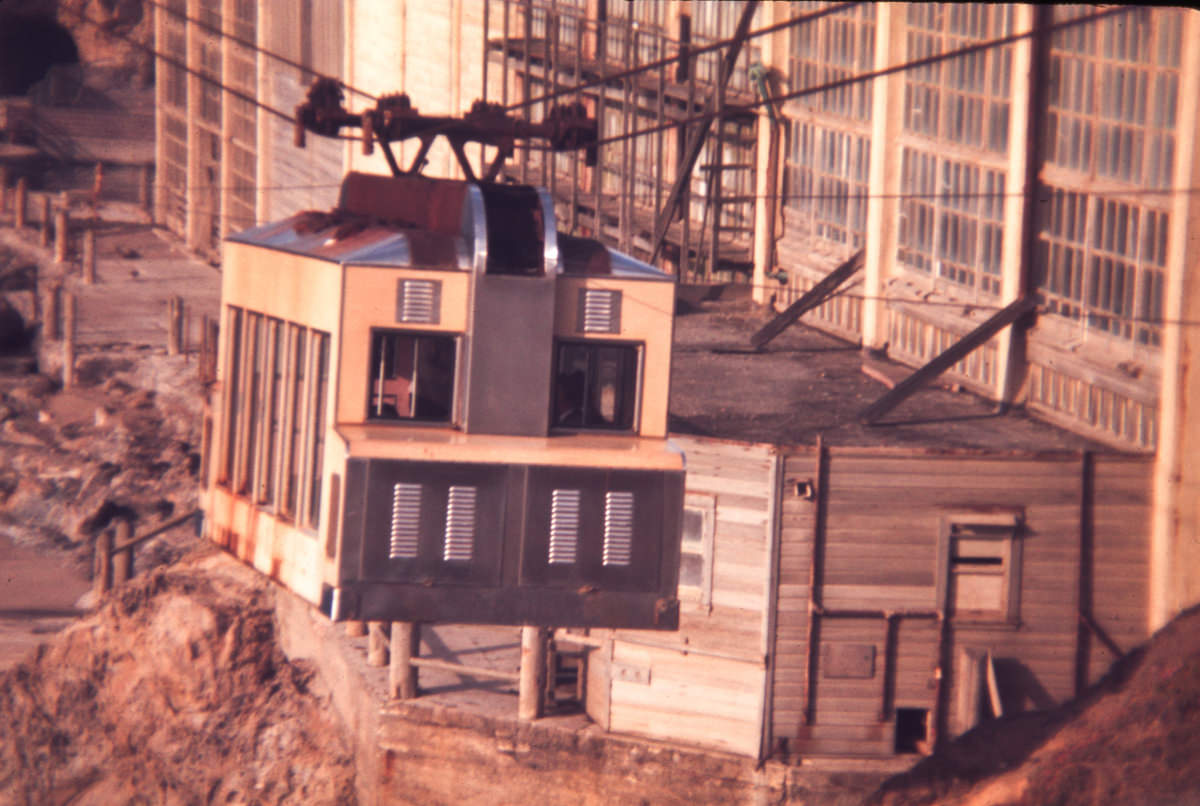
{"points": [[564, 527], [618, 528], [599, 310], [419, 301], [460, 524], [406, 521]]}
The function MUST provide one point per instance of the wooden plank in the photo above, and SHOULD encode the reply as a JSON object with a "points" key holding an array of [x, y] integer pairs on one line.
{"points": [[808, 300], [948, 358]]}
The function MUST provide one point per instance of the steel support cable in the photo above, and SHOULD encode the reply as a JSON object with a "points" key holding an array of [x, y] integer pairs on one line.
{"points": [[253, 46], [739, 109]]}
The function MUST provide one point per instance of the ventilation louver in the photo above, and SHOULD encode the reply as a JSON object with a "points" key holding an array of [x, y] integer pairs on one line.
{"points": [[599, 310], [406, 521], [460, 524], [618, 528], [564, 527], [419, 302]]}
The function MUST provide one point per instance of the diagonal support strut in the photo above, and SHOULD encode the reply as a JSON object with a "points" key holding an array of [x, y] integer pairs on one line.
{"points": [[947, 358], [810, 299]]}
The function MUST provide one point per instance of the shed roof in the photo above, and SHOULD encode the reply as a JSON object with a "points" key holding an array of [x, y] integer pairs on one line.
{"points": [[807, 384]]}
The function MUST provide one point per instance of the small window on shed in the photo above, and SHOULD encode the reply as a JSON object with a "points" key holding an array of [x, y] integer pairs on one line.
{"points": [[696, 549], [982, 556], [411, 376], [595, 386]]}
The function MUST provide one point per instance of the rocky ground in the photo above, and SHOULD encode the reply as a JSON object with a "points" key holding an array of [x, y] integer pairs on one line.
{"points": [[174, 692]]}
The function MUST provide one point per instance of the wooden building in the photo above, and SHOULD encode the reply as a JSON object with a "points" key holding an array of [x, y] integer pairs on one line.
{"points": [[873, 592]]}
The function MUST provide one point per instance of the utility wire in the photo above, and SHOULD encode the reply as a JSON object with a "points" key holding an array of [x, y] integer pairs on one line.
{"points": [[251, 45], [871, 75]]}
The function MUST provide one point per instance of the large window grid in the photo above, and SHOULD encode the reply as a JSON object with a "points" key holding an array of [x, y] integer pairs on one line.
{"points": [[713, 22], [951, 220], [964, 100], [242, 118], [827, 173], [1110, 129], [832, 48], [276, 383]]}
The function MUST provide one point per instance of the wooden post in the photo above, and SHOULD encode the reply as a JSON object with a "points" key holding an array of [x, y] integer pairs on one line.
{"points": [[50, 322], [377, 643], [61, 223], [98, 181], [144, 194], [173, 325], [20, 202], [532, 690], [46, 222], [103, 579], [356, 629], [68, 336], [122, 563], [4, 172], [89, 255], [406, 645]]}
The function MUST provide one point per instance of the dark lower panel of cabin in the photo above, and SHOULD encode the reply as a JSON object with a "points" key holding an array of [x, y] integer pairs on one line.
{"points": [[509, 544]]}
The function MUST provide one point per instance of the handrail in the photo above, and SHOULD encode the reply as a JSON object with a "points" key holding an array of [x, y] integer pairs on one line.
{"points": [[156, 531]]}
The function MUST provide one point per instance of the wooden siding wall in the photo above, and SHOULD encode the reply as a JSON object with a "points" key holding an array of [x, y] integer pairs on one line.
{"points": [[705, 684], [878, 551]]}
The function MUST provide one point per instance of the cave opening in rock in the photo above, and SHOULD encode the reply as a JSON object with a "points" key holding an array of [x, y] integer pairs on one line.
{"points": [[29, 46]]}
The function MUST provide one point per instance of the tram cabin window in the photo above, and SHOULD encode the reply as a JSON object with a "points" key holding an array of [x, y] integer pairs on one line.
{"points": [[595, 386], [411, 376]]}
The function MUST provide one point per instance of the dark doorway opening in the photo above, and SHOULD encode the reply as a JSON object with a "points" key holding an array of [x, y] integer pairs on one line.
{"points": [[29, 46], [912, 729]]}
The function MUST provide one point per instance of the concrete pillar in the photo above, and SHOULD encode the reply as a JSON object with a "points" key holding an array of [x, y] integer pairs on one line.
{"points": [[377, 643], [174, 320], [532, 689], [1175, 521], [887, 95], [356, 629], [1019, 208]]}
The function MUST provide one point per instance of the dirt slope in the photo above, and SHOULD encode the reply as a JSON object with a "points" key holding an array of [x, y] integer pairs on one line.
{"points": [[173, 692], [1133, 739]]}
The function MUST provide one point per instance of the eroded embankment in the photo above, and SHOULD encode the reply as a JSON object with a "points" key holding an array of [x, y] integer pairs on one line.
{"points": [[173, 691]]}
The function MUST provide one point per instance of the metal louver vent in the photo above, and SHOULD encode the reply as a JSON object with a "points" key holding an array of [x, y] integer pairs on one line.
{"points": [[419, 301], [460, 524], [600, 310], [618, 528], [406, 521], [564, 526]]}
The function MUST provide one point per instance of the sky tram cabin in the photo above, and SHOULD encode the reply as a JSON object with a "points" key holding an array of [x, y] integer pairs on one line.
{"points": [[432, 406]]}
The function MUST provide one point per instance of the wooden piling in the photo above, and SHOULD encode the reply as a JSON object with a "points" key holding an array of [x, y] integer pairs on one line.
{"points": [[47, 222], [144, 188], [68, 337], [89, 255], [20, 202], [405, 644], [377, 643], [4, 179], [98, 181], [122, 562], [356, 629], [532, 687], [61, 225], [51, 326], [103, 581], [173, 306]]}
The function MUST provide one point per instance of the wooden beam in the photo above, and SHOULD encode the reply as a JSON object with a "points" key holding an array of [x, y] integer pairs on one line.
{"points": [[811, 299], [696, 141], [947, 358]]}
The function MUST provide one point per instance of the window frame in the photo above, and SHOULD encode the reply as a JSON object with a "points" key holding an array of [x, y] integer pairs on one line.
{"points": [[635, 415], [455, 343], [706, 505], [1006, 527]]}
